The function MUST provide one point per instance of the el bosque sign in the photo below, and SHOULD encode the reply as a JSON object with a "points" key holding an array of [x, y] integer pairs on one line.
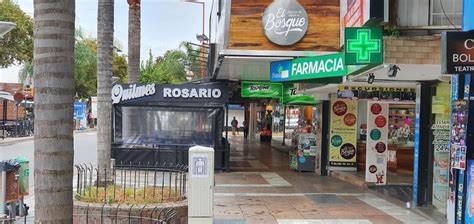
{"points": [[457, 52], [190, 92], [285, 22]]}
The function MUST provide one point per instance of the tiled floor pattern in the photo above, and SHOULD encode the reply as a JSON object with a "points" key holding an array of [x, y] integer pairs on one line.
{"points": [[281, 196]]}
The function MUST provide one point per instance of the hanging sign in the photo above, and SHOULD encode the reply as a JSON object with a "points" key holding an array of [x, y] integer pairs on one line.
{"points": [[363, 45], [261, 90], [290, 96], [343, 133], [285, 22], [375, 93], [457, 52], [324, 66], [377, 147]]}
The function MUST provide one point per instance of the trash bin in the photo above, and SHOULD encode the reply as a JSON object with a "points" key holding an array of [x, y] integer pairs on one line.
{"points": [[23, 175]]}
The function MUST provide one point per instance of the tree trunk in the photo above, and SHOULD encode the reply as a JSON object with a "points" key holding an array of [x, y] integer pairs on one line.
{"points": [[134, 31], [105, 40], [54, 23]]}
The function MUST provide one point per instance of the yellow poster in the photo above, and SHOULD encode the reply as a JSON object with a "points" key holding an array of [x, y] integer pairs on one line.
{"points": [[343, 133]]}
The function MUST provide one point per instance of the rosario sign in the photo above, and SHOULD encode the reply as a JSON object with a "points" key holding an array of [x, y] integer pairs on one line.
{"points": [[285, 22], [324, 66], [212, 92]]}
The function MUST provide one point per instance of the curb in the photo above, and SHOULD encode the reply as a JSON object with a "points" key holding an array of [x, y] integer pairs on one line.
{"points": [[29, 138]]}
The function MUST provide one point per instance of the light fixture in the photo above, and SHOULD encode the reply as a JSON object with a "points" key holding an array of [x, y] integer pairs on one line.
{"points": [[393, 70], [202, 38], [370, 78]]}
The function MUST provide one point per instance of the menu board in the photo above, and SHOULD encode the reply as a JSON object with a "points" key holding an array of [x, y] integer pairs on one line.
{"points": [[377, 138], [343, 133]]}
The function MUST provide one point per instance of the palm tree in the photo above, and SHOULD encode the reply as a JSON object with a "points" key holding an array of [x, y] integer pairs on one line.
{"points": [[133, 40], [105, 39], [54, 99]]}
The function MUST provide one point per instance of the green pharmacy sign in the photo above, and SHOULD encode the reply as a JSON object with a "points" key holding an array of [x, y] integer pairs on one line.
{"points": [[363, 45], [290, 96], [261, 90], [324, 66]]}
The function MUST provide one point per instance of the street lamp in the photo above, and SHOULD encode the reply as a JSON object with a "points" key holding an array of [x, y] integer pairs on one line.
{"points": [[201, 37], [5, 27]]}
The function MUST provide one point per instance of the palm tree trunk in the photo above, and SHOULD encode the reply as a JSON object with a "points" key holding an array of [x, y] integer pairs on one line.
{"points": [[54, 23], [105, 39], [134, 31]]}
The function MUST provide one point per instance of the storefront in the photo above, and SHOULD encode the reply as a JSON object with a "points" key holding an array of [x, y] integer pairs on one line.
{"points": [[156, 124], [372, 132]]}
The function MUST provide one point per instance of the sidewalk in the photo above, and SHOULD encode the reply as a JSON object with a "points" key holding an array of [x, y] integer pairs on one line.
{"points": [[264, 190], [11, 141]]}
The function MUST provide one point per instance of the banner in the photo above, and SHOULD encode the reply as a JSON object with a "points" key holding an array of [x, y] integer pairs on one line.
{"points": [[343, 133], [376, 93], [261, 90], [291, 97], [377, 148]]}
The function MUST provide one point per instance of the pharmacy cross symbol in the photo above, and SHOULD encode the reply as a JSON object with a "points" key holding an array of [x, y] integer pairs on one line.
{"points": [[363, 46]]}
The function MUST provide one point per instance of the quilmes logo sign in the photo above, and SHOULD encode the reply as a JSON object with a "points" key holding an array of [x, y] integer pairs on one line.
{"points": [[134, 91], [324, 66], [285, 22]]}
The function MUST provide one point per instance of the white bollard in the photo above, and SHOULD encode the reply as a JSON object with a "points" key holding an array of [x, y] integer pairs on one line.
{"points": [[201, 185]]}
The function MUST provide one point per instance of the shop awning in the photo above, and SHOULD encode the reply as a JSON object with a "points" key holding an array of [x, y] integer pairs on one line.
{"points": [[254, 65], [6, 96]]}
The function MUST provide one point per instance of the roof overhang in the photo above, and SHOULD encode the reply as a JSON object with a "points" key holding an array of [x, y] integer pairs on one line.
{"points": [[6, 96], [254, 65], [408, 76]]}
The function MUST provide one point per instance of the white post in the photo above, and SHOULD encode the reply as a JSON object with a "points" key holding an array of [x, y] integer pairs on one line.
{"points": [[201, 185], [252, 120], [3, 192]]}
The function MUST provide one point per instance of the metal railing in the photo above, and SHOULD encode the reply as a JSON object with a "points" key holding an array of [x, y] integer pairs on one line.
{"points": [[132, 184]]}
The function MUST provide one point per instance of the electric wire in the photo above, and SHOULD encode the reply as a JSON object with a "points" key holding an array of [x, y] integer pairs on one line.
{"points": [[446, 16]]}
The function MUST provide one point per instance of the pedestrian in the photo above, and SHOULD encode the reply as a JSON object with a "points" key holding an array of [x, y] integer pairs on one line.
{"points": [[246, 129], [234, 124]]}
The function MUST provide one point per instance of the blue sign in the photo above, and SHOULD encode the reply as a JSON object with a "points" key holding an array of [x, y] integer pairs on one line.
{"points": [[468, 18], [280, 70], [236, 107], [79, 110], [302, 159], [416, 156], [469, 211]]}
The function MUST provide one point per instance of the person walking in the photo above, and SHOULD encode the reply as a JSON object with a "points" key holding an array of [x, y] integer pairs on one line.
{"points": [[234, 124], [246, 128]]}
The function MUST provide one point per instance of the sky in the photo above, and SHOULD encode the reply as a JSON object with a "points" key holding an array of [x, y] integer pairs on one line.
{"points": [[164, 25]]}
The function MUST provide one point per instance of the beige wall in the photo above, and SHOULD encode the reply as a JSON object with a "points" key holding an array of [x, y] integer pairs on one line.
{"points": [[413, 50]]}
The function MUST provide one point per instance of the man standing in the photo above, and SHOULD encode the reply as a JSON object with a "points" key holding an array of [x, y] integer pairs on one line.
{"points": [[234, 124]]}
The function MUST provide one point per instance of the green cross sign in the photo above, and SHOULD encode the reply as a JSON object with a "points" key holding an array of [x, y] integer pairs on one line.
{"points": [[363, 45]]}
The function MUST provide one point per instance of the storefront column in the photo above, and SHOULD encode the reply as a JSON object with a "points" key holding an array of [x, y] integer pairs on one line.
{"points": [[324, 137], [423, 157], [253, 121]]}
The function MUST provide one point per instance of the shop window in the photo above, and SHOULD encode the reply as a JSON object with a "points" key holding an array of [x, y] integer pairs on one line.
{"points": [[446, 12]]}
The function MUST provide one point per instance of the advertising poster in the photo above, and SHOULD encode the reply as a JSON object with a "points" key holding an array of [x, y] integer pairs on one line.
{"points": [[94, 106], [451, 205], [377, 138], [469, 211], [343, 133], [458, 134], [441, 136]]}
